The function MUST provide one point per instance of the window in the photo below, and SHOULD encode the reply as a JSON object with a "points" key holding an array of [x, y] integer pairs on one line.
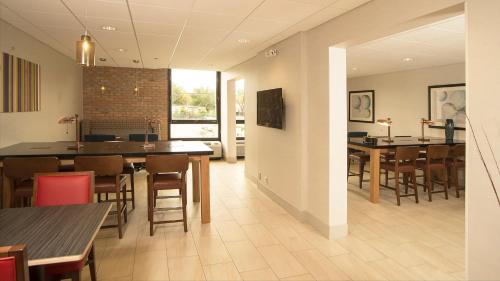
{"points": [[240, 109], [194, 98]]}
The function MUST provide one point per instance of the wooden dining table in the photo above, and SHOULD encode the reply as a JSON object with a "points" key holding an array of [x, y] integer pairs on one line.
{"points": [[380, 146], [132, 152], [52, 235]]}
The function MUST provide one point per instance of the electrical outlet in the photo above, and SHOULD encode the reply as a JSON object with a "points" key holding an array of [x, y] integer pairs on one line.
{"points": [[260, 175]]}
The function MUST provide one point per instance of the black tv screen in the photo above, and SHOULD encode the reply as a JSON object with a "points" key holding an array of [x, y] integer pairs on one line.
{"points": [[270, 108]]}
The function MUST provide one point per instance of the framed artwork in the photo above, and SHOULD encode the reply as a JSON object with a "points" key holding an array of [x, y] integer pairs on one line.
{"points": [[447, 102], [362, 106], [19, 85]]}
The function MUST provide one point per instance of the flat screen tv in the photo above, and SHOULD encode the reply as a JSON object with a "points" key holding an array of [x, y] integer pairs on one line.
{"points": [[270, 108]]}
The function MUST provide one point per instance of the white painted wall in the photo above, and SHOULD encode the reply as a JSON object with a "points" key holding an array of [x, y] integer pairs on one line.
{"points": [[228, 117], [61, 90], [483, 86], [403, 97], [297, 160]]}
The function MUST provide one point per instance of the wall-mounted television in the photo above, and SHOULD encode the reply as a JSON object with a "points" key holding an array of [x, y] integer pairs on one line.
{"points": [[270, 109]]}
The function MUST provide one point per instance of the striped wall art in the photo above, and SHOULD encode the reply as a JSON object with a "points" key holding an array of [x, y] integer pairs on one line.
{"points": [[20, 85]]}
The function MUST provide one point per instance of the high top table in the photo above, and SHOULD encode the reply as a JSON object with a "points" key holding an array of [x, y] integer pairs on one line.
{"points": [[132, 152], [375, 149]]}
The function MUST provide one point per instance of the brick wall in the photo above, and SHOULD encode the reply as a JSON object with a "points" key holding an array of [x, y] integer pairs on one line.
{"points": [[118, 101]]}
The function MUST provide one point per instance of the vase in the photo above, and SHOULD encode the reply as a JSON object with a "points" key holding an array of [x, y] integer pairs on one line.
{"points": [[449, 129]]}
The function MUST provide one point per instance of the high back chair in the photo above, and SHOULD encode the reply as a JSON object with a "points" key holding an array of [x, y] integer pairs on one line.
{"points": [[108, 180], [166, 172], [357, 156], [56, 189], [435, 161], [404, 163], [14, 263], [20, 171], [454, 162]]}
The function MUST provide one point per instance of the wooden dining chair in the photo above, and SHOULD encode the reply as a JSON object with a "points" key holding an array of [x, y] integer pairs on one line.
{"points": [[70, 188], [357, 156], [435, 161], [20, 171], [166, 172], [454, 162], [404, 163], [14, 263], [109, 181]]}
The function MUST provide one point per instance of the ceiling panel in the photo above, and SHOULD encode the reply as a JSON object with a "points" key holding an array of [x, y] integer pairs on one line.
{"points": [[437, 44], [208, 31]]}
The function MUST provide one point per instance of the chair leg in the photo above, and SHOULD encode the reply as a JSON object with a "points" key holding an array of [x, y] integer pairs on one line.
{"points": [[414, 184], [361, 173], [405, 182], [154, 198], [348, 166], [446, 184], [386, 177], [75, 276], [150, 211], [398, 194], [91, 261], [428, 180], [132, 188], [455, 175], [119, 213], [124, 193], [184, 206]]}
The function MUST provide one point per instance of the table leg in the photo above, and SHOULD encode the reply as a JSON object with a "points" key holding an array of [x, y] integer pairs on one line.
{"points": [[37, 273], [374, 175], [205, 189], [196, 180]]}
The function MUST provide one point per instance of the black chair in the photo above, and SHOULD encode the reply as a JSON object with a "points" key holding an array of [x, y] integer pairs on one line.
{"points": [[142, 137], [99, 138], [357, 156]]}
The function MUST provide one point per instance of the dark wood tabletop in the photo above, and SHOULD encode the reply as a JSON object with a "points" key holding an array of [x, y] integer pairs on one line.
{"points": [[53, 234], [402, 141], [124, 148]]}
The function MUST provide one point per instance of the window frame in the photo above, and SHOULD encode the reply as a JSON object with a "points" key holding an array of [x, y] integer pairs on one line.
{"points": [[217, 105]]}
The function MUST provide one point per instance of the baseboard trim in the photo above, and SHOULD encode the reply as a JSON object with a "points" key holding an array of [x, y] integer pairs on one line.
{"points": [[330, 232]]}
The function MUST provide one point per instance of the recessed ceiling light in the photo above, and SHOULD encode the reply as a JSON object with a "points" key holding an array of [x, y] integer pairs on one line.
{"points": [[135, 61], [155, 58], [407, 59], [243, 41], [121, 50], [102, 59], [354, 68], [108, 28]]}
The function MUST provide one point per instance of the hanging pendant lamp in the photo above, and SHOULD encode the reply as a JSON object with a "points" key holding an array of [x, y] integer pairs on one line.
{"points": [[85, 51]]}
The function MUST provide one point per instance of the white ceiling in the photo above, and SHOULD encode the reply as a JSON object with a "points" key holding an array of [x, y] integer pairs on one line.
{"points": [[198, 34], [440, 43]]}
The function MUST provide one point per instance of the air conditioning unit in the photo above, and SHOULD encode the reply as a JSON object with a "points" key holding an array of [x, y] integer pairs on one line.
{"points": [[216, 146], [240, 148]]}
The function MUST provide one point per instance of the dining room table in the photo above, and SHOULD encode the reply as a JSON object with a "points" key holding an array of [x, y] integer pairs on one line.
{"points": [[378, 145], [54, 234], [132, 152]]}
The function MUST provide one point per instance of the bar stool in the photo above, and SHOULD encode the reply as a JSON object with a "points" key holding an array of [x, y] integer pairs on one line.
{"points": [[21, 170], [404, 163], [108, 180], [435, 161], [455, 161], [166, 172]]}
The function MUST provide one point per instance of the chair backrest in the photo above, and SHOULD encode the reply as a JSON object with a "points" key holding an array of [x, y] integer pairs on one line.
{"points": [[175, 163], [406, 154], [437, 153], [26, 167], [70, 188], [99, 138], [457, 151], [101, 165], [142, 137], [14, 263], [357, 134]]}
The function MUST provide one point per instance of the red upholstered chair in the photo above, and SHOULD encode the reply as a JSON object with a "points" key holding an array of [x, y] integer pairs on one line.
{"points": [[14, 263], [71, 188]]}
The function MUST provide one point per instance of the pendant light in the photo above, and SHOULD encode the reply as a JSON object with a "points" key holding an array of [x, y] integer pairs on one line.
{"points": [[85, 51]]}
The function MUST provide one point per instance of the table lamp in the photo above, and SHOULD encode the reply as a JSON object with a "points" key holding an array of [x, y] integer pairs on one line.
{"points": [[386, 122], [423, 122], [69, 120]]}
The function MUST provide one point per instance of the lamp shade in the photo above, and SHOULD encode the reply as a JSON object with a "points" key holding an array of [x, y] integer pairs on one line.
{"points": [[385, 122], [85, 51]]}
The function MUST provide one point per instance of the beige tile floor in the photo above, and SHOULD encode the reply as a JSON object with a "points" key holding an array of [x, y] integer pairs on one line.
{"points": [[252, 238]]}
